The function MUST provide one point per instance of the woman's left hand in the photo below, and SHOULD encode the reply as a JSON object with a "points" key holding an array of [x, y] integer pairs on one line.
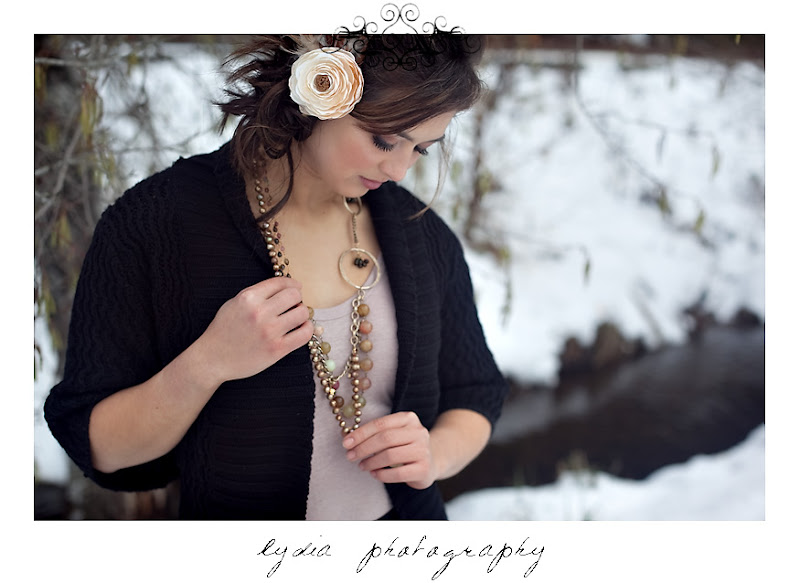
{"points": [[395, 448]]}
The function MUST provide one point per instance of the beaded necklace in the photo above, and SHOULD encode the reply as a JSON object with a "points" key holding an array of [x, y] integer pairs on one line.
{"points": [[356, 366]]}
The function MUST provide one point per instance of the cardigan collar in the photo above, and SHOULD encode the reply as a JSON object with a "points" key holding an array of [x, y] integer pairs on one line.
{"points": [[390, 226], [391, 221], [232, 188]]}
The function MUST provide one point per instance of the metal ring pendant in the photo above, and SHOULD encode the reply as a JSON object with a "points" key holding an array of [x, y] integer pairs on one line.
{"points": [[374, 262], [358, 206]]}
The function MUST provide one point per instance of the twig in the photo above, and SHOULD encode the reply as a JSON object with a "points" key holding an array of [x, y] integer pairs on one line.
{"points": [[615, 147], [78, 64], [66, 161]]}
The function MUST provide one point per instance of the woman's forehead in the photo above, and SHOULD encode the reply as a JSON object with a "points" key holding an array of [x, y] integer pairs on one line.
{"points": [[430, 130]]}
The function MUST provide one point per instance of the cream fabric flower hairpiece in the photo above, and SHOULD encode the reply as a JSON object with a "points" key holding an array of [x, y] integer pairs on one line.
{"points": [[326, 83]]}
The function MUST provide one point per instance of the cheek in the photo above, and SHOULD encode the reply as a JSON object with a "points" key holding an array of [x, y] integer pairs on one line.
{"points": [[358, 153]]}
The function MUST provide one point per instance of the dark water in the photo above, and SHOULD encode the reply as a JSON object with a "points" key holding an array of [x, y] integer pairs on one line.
{"points": [[660, 409]]}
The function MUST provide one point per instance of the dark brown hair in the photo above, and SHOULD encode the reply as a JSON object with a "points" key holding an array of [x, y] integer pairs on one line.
{"points": [[408, 79]]}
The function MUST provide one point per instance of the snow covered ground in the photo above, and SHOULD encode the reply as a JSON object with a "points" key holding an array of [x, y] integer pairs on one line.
{"points": [[726, 486], [585, 246]]}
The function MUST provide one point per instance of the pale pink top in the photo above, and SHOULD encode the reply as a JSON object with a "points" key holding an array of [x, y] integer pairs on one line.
{"points": [[338, 489]]}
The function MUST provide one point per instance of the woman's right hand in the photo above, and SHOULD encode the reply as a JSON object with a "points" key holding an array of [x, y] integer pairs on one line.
{"points": [[250, 332], [255, 329]]}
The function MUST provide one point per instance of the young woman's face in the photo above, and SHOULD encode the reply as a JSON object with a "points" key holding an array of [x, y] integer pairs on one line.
{"points": [[349, 160]]}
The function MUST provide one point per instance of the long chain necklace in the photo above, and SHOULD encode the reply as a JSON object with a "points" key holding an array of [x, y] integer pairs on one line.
{"points": [[347, 415]]}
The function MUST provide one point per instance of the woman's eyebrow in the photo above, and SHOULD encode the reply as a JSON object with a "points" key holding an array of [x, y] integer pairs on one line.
{"points": [[405, 136]]}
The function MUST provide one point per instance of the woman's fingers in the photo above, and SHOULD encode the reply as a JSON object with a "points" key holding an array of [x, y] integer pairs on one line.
{"points": [[256, 328], [379, 434], [394, 448], [280, 293], [394, 457], [284, 301], [298, 336], [416, 475]]}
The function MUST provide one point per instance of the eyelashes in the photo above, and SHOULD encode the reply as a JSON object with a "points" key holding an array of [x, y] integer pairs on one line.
{"points": [[381, 144], [385, 146]]}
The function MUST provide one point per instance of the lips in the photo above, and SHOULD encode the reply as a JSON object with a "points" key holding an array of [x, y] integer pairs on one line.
{"points": [[371, 184]]}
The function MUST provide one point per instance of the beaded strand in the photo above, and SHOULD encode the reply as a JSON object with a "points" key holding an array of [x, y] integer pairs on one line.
{"points": [[356, 366]]}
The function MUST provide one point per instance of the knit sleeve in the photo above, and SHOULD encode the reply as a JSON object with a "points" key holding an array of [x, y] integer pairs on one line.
{"points": [[469, 377], [112, 342]]}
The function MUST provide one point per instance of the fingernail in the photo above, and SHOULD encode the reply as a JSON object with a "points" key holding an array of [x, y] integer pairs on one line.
{"points": [[349, 441]]}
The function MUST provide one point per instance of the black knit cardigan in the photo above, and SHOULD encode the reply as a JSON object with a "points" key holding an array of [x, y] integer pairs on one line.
{"points": [[167, 255]]}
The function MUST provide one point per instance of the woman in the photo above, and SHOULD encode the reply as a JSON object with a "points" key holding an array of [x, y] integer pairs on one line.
{"points": [[277, 323]]}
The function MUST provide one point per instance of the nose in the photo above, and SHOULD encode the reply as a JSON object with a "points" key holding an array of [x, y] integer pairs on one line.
{"points": [[395, 167]]}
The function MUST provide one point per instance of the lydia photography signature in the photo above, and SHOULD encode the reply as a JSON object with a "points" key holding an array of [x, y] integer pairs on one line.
{"points": [[397, 552]]}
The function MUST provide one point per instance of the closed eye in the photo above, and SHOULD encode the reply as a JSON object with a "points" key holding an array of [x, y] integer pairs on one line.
{"points": [[382, 144], [385, 146]]}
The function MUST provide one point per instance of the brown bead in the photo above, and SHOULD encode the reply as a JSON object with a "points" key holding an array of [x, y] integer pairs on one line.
{"points": [[365, 327], [325, 347], [365, 384], [363, 310], [365, 346], [337, 402], [366, 364]]}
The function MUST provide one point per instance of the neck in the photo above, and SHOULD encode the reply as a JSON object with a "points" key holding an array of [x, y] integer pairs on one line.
{"points": [[310, 196]]}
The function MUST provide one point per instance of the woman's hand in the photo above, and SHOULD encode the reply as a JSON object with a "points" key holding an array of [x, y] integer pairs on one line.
{"points": [[394, 448], [255, 329], [398, 448], [249, 333]]}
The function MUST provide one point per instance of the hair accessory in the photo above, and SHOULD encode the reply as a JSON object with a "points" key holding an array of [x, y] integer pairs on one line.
{"points": [[326, 83]]}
